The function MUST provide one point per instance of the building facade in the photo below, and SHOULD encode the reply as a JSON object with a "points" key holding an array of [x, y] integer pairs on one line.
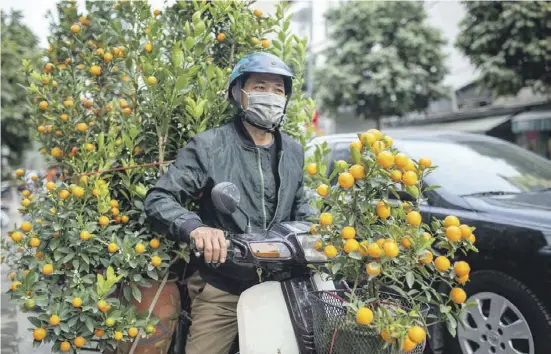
{"points": [[524, 119]]}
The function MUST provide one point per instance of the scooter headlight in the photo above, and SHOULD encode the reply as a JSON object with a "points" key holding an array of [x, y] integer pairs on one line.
{"points": [[270, 250], [307, 242]]}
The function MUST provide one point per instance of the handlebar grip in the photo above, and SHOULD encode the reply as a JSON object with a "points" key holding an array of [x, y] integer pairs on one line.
{"points": [[231, 247], [199, 252]]}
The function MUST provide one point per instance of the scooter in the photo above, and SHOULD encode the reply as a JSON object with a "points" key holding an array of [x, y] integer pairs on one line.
{"points": [[274, 316]]}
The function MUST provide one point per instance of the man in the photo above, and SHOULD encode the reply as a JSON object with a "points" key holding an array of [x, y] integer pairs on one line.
{"points": [[264, 163]]}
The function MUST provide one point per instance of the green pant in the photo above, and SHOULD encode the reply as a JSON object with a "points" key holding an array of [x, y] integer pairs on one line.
{"points": [[214, 318]]}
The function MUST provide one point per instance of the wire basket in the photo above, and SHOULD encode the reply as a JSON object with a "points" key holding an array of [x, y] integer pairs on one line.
{"points": [[334, 334]]}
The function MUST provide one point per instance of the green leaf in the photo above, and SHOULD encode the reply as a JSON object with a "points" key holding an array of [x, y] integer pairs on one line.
{"points": [[72, 321], [210, 72], [414, 191], [35, 321], [189, 42], [134, 131], [127, 293], [42, 300], [355, 255], [181, 82], [176, 57], [430, 188], [136, 293], [153, 274], [138, 204], [196, 17], [67, 258], [101, 142], [89, 324], [100, 286], [88, 279], [356, 156], [410, 279], [451, 320], [110, 273], [399, 291], [188, 28], [286, 25], [199, 28], [277, 44], [54, 243], [64, 327], [199, 109]]}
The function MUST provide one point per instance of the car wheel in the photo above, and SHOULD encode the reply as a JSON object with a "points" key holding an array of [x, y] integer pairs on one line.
{"points": [[508, 318]]}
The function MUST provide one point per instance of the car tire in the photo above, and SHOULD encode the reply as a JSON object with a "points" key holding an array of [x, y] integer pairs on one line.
{"points": [[487, 287]]}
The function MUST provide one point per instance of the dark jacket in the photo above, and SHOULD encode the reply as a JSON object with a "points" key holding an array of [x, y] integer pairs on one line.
{"points": [[228, 154]]}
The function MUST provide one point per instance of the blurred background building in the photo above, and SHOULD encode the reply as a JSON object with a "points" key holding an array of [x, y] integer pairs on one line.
{"points": [[524, 118]]}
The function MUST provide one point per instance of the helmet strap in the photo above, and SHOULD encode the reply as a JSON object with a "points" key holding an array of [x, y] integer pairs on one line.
{"points": [[271, 130], [237, 98]]}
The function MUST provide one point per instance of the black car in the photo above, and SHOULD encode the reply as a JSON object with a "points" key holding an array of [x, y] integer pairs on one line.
{"points": [[505, 192]]}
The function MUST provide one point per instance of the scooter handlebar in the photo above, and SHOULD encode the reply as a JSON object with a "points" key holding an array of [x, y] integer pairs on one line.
{"points": [[235, 248], [254, 251]]}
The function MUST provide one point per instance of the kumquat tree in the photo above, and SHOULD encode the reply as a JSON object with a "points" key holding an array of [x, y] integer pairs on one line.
{"points": [[123, 88], [385, 249]]}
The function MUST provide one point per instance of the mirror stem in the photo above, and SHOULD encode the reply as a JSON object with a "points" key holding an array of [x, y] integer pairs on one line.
{"points": [[248, 230]]}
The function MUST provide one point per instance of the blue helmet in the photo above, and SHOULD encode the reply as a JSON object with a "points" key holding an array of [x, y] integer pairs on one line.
{"points": [[260, 62]]}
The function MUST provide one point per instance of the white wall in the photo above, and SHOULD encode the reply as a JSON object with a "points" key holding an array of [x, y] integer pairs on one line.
{"points": [[446, 16], [266, 6]]}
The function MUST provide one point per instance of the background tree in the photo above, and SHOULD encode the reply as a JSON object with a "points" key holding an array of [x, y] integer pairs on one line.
{"points": [[384, 60], [509, 43], [18, 42]]}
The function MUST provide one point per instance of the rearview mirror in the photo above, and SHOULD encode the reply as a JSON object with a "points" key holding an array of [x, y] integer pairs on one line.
{"points": [[226, 196]]}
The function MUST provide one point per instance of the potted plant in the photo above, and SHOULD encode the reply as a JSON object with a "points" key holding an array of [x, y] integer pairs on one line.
{"points": [[384, 249], [123, 88]]}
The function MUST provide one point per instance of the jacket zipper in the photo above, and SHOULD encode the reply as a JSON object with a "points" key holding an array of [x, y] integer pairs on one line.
{"points": [[279, 189], [258, 159]]}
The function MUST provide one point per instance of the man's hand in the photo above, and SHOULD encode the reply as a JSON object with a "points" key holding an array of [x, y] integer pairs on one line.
{"points": [[211, 242]]}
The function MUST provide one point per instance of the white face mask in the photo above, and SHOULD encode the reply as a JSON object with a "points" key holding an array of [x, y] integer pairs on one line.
{"points": [[265, 110]]}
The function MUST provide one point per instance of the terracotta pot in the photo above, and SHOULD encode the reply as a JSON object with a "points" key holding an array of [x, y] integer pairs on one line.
{"points": [[167, 310]]}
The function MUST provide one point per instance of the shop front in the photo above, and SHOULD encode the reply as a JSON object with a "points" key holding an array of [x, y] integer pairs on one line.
{"points": [[533, 131]]}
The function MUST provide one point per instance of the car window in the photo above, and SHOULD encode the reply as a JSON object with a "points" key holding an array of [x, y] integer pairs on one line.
{"points": [[341, 151], [478, 166]]}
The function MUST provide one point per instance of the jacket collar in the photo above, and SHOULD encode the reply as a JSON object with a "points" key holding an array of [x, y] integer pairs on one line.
{"points": [[247, 139]]}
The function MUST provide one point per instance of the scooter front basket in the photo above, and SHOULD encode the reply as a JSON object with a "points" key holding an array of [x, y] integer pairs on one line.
{"points": [[336, 330]]}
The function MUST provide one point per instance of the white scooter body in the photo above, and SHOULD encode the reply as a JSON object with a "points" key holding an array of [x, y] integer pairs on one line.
{"points": [[263, 319]]}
